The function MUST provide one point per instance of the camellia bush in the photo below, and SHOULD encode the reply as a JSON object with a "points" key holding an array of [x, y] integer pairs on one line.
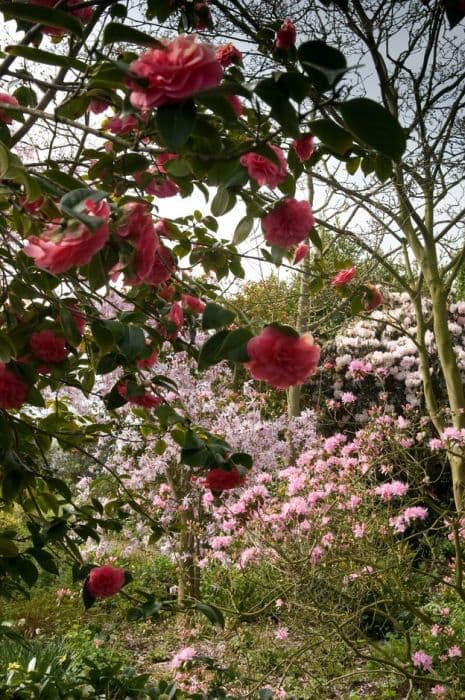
{"points": [[81, 225]]}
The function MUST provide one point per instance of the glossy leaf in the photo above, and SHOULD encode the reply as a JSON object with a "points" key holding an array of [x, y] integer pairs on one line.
{"points": [[374, 126]]}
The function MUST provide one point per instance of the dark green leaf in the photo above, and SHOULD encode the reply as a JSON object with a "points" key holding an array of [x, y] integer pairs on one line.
{"points": [[455, 12], [73, 108], [324, 64], [7, 349], [243, 229], [374, 126], [8, 548], [44, 559], [383, 167], [115, 33], [132, 344], [220, 202], [216, 316], [130, 163], [213, 614], [72, 204], [108, 363], [234, 347], [332, 135], [27, 570], [47, 57], [46, 16], [210, 352], [175, 123], [70, 329]]}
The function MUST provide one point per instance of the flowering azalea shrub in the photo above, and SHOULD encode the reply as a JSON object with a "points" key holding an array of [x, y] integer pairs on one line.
{"points": [[358, 531], [375, 360]]}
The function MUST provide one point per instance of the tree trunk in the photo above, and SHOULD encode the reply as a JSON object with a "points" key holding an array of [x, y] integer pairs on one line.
{"points": [[454, 386]]}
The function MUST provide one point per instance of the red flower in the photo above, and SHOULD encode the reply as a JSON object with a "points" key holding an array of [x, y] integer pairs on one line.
{"points": [[58, 250], [193, 304], [148, 361], [373, 297], [79, 319], [163, 158], [10, 100], [48, 347], [160, 187], [13, 391], [228, 54], [286, 35], [343, 277], [146, 400], [105, 581], [138, 227], [120, 125], [304, 147], [301, 252], [222, 480], [162, 268], [264, 170], [97, 106], [288, 223], [182, 68], [33, 207], [176, 315], [236, 104], [167, 292], [282, 360]]}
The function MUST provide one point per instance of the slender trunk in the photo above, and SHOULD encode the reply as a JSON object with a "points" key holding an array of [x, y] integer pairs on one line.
{"points": [[454, 385], [187, 545], [188, 572]]}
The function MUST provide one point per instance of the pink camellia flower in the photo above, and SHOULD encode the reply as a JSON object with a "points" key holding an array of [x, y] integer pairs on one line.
{"points": [[58, 250], [222, 480], [228, 54], [343, 277], [282, 360], [120, 125], [97, 106], [167, 292], [373, 297], [9, 100], [179, 70], [105, 581], [13, 390], [48, 347], [304, 147], [176, 315], [161, 187], [146, 400], [79, 319], [193, 304], [33, 207], [202, 16], [301, 252], [163, 158], [286, 35], [236, 104], [264, 170], [148, 361], [162, 268], [288, 223]]}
